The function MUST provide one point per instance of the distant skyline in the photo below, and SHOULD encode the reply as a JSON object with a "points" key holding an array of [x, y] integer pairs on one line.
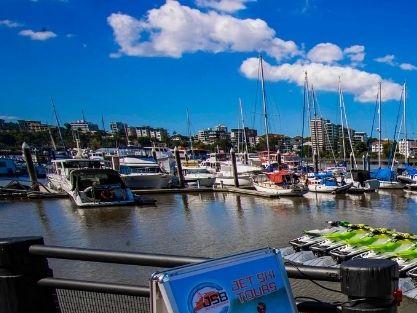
{"points": [[145, 62]]}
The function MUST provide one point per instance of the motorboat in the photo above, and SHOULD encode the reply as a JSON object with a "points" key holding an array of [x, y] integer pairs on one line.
{"points": [[200, 176], [361, 181], [244, 172], [89, 184], [280, 183], [140, 172]]}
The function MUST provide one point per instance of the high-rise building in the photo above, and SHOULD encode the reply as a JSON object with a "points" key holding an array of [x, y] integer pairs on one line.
{"points": [[117, 127], [211, 135], [238, 136], [159, 133], [317, 130], [83, 126], [32, 126]]}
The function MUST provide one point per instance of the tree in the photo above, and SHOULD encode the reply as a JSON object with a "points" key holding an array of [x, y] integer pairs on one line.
{"points": [[360, 147]]}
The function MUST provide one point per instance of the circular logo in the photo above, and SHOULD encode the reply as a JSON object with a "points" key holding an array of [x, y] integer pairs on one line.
{"points": [[208, 297]]}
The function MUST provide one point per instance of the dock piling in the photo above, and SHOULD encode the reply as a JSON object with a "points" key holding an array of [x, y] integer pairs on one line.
{"points": [[234, 167], [364, 162], [30, 166], [179, 167], [316, 163], [115, 162]]}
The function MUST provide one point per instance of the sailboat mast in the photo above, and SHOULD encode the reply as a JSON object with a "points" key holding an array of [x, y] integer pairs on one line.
{"points": [[405, 121], [52, 138], [189, 131], [243, 125], [379, 124], [341, 120], [57, 122], [264, 107], [313, 95]]}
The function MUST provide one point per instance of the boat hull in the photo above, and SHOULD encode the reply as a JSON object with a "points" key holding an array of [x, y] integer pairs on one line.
{"points": [[156, 181], [244, 181], [329, 189], [282, 192], [390, 185]]}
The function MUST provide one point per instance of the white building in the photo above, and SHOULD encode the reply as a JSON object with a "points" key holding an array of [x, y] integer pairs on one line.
{"points": [[83, 126], [376, 147], [407, 148]]}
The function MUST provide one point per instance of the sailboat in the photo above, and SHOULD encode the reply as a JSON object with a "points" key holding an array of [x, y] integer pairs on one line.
{"points": [[386, 176], [321, 182], [282, 182], [360, 179]]}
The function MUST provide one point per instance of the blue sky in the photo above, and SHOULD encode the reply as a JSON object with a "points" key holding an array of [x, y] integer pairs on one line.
{"points": [[119, 59]]}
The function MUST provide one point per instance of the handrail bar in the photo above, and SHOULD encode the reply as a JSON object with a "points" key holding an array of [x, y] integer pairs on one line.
{"points": [[93, 286], [167, 261]]}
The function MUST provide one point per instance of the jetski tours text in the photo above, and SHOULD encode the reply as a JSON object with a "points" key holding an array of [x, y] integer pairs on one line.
{"points": [[254, 286]]}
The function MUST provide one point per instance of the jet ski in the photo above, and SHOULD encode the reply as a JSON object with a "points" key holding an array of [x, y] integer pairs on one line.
{"points": [[401, 242], [338, 239], [406, 260], [358, 245], [314, 236]]}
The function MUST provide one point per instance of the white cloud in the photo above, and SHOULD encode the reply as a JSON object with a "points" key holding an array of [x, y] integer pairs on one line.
{"points": [[362, 85], [408, 67], [229, 6], [388, 59], [8, 117], [355, 53], [10, 24], [175, 29], [70, 35], [41, 35], [325, 53]]}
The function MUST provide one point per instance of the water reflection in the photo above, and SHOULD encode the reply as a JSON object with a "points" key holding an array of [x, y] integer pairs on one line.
{"points": [[205, 224]]}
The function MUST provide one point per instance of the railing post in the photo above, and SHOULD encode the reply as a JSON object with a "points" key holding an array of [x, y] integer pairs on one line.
{"points": [[370, 285], [19, 276]]}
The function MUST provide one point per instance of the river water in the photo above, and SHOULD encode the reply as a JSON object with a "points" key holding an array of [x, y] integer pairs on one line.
{"points": [[207, 224]]}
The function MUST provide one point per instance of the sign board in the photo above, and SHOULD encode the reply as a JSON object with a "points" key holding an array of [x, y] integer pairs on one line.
{"points": [[252, 282]]}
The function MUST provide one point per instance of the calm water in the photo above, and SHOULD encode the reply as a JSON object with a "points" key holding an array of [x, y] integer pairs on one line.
{"points": [[206, 224]]}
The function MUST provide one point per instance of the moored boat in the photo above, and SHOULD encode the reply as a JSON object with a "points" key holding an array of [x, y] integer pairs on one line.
{"points": [[281, 183]]}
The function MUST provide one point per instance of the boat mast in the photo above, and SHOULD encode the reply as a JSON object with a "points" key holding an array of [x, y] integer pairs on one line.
{"points": [[341, 120], [243, 126], [354, 165], [405, 122], [313, 94], [379, 124], [57, 122], [264, 107], [52, 138], [189, 132]]}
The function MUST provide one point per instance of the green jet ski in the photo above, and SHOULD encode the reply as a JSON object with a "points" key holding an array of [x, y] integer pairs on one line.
{"points": [[338, 239], [313, 236], [358, 245]]}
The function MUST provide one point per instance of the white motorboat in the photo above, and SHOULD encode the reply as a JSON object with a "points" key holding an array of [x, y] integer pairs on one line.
{"points": [[143, 173], [199, 176], [282, 183], [225, 175], [89, 184]]}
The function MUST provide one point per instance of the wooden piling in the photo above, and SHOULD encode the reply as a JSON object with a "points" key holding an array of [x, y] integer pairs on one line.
{"points": [[316, 163], [154, 154], [179, 167], [234, 167], [364, 162], [30, 166], [115, 162]]}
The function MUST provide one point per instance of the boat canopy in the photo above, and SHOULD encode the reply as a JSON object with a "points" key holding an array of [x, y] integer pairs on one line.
{"points": [[384, 174], [83, 178], [409, 170], [321, 175], [360, 175], [279, 177]]}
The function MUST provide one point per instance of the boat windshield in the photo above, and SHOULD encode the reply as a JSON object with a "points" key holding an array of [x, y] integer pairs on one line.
{"points": [[81, 179], [197, 171], [82, 164], [136, 170]]}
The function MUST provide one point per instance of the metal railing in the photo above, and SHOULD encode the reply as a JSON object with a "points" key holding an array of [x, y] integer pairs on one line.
{"points": [[28, 257]]}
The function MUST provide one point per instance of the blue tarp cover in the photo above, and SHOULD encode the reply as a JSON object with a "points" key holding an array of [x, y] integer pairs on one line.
{"points": [[384, 174]]}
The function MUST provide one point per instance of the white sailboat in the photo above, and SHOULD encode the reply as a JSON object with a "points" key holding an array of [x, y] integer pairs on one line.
{"points": [[385, 176]]}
